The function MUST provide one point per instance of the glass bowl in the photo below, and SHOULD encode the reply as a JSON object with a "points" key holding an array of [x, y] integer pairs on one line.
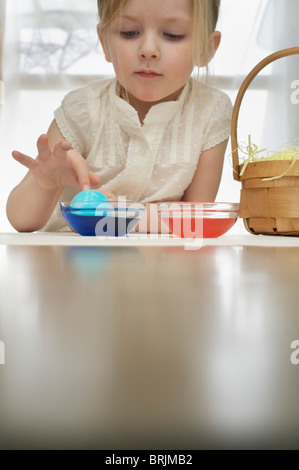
{"points": [[198, 220], [109, 218]]}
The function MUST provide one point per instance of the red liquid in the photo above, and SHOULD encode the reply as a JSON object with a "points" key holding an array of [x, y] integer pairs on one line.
{"points": [[192, 227]]}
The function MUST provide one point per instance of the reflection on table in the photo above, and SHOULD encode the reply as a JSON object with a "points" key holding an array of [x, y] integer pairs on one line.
{"points": [[148, 348]]}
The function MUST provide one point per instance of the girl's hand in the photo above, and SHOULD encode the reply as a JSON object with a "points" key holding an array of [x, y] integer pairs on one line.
{"points": [[111, 196], [61, 167]]}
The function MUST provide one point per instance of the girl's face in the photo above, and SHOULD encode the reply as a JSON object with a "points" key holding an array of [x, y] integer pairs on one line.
{"points": [[150, 47]]}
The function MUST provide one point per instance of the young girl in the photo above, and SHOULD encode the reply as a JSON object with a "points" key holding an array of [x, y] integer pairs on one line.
{"points": [[150, 134]]}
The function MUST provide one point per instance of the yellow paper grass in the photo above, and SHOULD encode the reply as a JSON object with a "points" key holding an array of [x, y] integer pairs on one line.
{"points": [[253, 154]]}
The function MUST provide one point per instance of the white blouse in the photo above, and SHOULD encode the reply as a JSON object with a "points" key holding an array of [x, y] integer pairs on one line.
{"points": [[153, 161]]}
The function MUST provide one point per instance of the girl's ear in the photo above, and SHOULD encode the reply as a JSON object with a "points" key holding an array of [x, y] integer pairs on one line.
{"points": [[102, 38], [214, 44]]}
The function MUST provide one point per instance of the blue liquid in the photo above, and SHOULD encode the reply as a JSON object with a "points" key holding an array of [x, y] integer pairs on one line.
{"points": [[101, 225]]}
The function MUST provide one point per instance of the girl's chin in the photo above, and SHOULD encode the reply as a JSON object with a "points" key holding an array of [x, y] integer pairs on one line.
{"points": [[154, 96], [151, 98], [147, 95], [140, 98], [134, 95]]}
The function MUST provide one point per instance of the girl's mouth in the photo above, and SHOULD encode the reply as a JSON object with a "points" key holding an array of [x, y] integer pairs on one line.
{"points": [[148, 74]]}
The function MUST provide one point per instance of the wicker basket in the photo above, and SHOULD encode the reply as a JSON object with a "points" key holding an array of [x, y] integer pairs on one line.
{"points": [[267, 207]]}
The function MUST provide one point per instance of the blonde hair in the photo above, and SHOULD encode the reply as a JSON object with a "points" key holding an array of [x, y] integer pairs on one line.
{"points": [[108, 10], [205, 17]]}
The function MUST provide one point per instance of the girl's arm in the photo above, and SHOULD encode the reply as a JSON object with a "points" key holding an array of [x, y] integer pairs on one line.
{"points": [[31, 203], [205, 183]]}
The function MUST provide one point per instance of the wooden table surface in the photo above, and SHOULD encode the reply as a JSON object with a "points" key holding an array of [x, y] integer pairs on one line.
{"points": [[149, 347]]}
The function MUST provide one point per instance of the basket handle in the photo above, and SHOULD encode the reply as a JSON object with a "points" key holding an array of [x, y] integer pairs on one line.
{"points": [[266, 61]]}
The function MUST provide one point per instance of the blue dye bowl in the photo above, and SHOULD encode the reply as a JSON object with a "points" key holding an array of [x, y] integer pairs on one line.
{"points": [[107, 218]]}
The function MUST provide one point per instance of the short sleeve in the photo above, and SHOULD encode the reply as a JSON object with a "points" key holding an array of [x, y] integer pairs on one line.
{"points": [[219, 122], [73, 120]]}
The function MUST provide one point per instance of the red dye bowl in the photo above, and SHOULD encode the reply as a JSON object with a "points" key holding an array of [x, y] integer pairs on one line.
{"points": [[198, 220]]}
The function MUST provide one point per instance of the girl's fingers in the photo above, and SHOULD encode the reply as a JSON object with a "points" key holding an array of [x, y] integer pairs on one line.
{"points": [[61, 148], [81, 168], [62, 158], [94, 180], [28, 162], [66, 146], [43, 148], [109, 194]]}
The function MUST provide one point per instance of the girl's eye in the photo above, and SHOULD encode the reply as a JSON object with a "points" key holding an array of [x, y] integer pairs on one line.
{"points": [[129, 34], [174, 37]]}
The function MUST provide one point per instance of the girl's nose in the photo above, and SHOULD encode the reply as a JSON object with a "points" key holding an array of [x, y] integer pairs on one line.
{"points": [[149, 49]]}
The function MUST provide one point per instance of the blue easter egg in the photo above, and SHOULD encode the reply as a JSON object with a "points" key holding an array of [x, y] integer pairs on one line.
{"points": [[89, 195], [89, 199]]}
